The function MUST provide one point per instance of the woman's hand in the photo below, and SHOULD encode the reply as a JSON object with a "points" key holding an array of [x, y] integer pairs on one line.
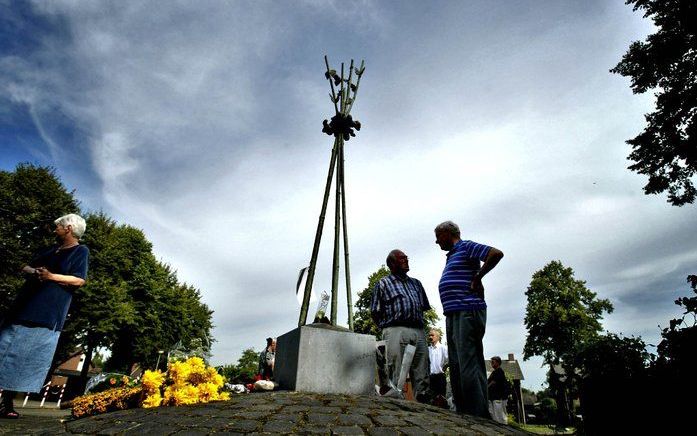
{"points": [[43, 274]]}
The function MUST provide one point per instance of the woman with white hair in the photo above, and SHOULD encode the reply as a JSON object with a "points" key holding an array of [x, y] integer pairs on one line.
{"points": [[29, 334]]}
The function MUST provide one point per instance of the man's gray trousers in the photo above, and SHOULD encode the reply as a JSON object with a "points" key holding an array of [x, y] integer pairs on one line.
{"points": [[396, 339], [465, 331]]}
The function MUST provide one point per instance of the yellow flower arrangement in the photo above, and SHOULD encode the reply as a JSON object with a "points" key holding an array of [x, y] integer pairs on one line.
{"points": [[106, 401], [185, 382]]}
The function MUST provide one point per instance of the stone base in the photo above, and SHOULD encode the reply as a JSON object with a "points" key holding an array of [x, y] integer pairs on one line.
{"points": [[325, 359]]}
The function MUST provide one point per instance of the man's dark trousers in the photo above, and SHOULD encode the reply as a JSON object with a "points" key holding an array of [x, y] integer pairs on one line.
{"points": [[465, 331]]}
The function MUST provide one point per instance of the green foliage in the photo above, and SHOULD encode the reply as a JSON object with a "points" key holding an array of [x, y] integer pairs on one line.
{"points": [[666, 150], [244, 371], [547, 410], [31, 198], [168, 313], [561, 315], [676, 351], [611, 356], [362, 321]]}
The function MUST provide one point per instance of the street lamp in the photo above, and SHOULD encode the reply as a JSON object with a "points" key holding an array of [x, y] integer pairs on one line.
{"points": [[159, 354]]}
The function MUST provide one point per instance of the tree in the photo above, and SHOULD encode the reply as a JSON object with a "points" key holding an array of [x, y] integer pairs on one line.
{"points": [[168, 313], [561, 315], [676, 351], [613, 383], [666, 150], [244, 371], [362, 321], [31, 198]]}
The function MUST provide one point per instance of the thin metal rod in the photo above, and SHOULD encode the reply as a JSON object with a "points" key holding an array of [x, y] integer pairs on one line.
{"points": [[331, 84], [358, 82], [342, 105], [347, 270], [335, 260], [348, 90], [318, 237]]}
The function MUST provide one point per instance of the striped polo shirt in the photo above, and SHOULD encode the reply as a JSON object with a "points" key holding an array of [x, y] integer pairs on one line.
{"points": [[455, 286]]}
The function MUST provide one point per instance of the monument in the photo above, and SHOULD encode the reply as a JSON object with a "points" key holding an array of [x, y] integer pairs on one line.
{"points": [[319, 357]]}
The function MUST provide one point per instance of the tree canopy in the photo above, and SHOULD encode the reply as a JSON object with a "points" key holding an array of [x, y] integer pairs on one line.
{"points": [[676, 351], [31, 198], [362, 321], [666, 150], [562, 313], [244, 371], [561, 316]]}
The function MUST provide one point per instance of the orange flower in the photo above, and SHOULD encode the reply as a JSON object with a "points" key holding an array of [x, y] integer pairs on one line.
{"points": [[112, 381]]}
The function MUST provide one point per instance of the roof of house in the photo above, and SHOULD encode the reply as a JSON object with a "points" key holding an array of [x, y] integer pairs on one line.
{"points": [[510, 366]]}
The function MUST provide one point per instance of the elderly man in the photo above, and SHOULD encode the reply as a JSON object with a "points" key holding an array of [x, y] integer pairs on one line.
{"points": [[498, 392], [438, 357], [462, 295], [397, 307]]}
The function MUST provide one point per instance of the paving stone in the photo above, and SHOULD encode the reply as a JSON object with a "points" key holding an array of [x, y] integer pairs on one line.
{"points": [[313, 429], [118, 428], [320, 418], [388, 420], [348, 430], [354, 420], [360, 411], [245, 414], [244, 425], [382, 431], [85, 425], [326, 409], [423, 421], [267, 408], [340, 403], [488, 431], [285, 417], [152, 429], [192, 432], [440, 430], [296, 409], [414, 431], [279, 427], [216, 422]]}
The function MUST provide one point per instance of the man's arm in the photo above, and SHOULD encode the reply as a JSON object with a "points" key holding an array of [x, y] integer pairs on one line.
{"points": [[492, 259]]}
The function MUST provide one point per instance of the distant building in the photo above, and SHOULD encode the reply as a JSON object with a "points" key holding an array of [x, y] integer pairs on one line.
{"points": [[513, 372]]}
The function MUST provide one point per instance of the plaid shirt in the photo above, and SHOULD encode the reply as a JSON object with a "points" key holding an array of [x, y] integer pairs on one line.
{"points": [[399, 302]]}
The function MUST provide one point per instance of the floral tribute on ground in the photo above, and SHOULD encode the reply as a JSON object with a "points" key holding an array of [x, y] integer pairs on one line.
{"points": [[185, 382]]}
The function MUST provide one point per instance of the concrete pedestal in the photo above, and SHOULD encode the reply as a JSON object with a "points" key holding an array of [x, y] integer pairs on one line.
{"points": [[325, 359]]}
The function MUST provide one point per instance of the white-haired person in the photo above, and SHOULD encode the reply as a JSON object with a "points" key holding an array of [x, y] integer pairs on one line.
{"points": [[29, 333]]}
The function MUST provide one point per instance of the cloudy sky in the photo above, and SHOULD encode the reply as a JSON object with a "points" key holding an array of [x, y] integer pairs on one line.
{"points": [[200, 123]]}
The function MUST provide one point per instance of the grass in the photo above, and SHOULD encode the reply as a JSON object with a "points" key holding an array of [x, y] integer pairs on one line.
{"points": [[542, 429]]}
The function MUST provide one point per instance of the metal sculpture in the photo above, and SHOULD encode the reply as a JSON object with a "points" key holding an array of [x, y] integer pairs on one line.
{"points": [[341, 126]]}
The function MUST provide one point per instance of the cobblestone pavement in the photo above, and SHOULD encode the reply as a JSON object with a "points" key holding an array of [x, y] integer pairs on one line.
{"points": [[35, 420], [275, 413]]}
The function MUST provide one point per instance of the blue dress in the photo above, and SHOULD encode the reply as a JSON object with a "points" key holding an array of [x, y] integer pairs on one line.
{"points": [[30, 332]]}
